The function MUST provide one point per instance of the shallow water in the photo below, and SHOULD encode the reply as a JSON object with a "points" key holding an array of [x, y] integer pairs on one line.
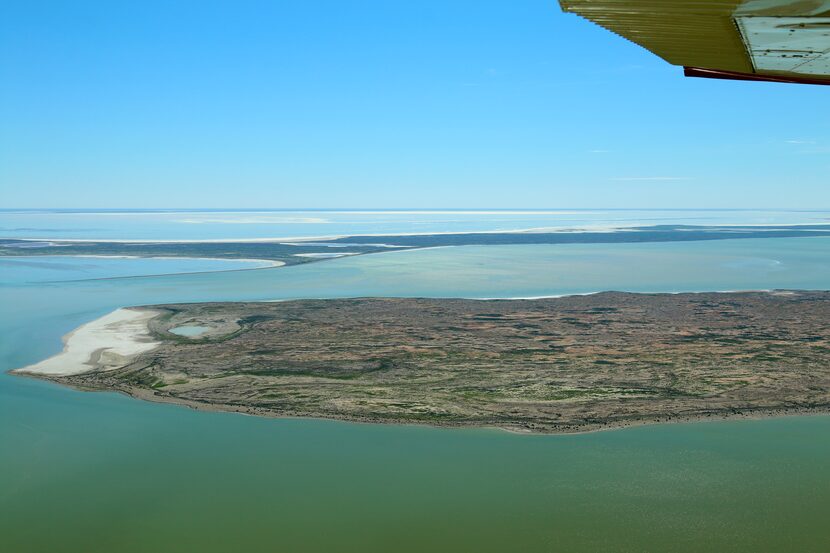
{"points": [[101, 472], [189, 331], [61, 268]]}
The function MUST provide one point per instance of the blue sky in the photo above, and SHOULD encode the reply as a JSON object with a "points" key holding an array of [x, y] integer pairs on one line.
{"points": [[381, 103]]}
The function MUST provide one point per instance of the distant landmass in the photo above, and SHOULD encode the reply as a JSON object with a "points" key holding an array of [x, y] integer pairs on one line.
{"points": [[296, 251]]}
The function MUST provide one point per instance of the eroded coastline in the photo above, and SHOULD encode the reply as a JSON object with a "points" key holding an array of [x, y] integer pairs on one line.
{"points": [[570, 364]]}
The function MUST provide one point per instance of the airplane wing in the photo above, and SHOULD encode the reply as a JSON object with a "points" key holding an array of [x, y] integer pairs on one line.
{"points": [[758, 40]]}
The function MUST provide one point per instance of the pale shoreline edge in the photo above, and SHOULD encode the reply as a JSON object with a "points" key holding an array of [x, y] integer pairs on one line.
{"points": [[265, 263], [105, 343], [753, 414]]}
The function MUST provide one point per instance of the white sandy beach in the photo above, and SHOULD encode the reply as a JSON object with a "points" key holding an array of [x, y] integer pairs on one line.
{"points": [[104, 344]]}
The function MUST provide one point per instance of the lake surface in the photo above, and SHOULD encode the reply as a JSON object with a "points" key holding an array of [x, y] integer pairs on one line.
{"points": [[88, 472], [189, 331]]}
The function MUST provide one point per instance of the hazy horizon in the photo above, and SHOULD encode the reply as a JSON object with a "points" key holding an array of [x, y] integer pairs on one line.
{"points": [[414, 209]]}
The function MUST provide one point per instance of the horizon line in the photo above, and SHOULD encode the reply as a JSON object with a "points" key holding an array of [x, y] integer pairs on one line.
{"points": [[405, 209]]}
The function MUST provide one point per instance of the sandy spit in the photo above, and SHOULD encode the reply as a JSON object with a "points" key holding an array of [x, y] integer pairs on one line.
{"points": [[103, 344]]}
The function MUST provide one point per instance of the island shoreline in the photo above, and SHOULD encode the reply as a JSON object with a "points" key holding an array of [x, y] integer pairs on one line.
{"points": [[610, 426], [152, 394]]}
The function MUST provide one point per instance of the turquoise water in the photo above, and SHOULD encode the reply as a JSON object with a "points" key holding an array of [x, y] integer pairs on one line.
{"points": [[214, 224], [92, 472]]}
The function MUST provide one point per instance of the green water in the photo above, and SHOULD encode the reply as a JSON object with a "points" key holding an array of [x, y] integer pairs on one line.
{"points": [[87, 472]]}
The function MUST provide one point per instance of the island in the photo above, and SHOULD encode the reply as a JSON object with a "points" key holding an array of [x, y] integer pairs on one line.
{"points": [[566, 364]]}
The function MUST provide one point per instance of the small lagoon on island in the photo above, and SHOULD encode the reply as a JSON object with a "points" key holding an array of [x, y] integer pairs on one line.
{"points": [[189, 331], [311, 485]]}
